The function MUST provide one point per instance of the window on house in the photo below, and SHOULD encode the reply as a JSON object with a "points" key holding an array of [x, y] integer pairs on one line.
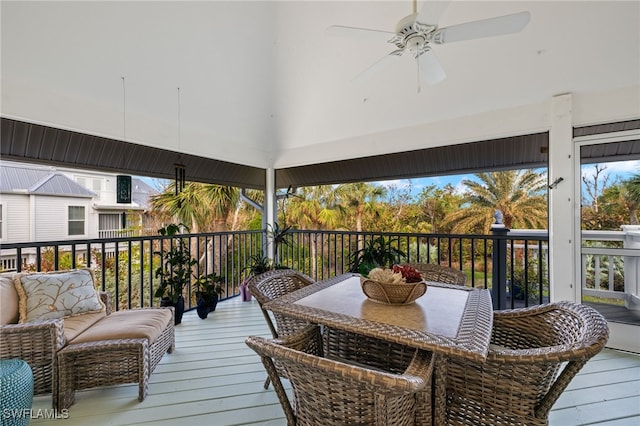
{"points": [[109, 222], [76, 220]]}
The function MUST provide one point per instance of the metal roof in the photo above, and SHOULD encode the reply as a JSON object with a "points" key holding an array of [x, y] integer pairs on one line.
{"points": [[27, 180], [140, 192]]}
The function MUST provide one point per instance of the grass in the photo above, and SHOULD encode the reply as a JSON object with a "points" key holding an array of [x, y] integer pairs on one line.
{"points": [[603, 300]]}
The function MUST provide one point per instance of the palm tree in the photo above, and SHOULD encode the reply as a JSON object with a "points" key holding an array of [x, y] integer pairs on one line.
{"points": [[186, 206], [620, 202], [222, 201], [362, 198], [205, 206], [313, 207], [632, 187], [518, 194]]}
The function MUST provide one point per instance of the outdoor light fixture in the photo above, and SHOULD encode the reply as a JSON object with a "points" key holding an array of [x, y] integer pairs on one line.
{"points": [[123, 189]]}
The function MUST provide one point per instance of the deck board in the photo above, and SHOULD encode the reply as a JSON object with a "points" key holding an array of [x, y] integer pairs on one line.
{"points": [[213, 378]]}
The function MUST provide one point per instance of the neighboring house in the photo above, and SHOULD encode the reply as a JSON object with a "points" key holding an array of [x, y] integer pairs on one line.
{"points": [[115, 219], [40, 203]]}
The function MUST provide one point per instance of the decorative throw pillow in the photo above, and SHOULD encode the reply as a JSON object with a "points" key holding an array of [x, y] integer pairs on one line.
{"points": [[56, 294]]}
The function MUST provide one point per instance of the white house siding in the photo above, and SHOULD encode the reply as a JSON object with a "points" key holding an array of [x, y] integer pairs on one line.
{"points": [[16, 227], [51, 217], [103, 184]]}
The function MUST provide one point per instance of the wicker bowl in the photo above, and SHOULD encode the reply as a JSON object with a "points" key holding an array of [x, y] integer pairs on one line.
{"points": [[392, 294]]}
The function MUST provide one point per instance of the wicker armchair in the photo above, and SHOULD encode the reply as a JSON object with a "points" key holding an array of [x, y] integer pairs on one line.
{"points": [[273, 284], [535, 353], [440, 274], [329, 392]]}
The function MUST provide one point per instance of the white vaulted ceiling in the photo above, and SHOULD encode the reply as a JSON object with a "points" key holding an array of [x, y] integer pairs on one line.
{"points": [[262, 85]]}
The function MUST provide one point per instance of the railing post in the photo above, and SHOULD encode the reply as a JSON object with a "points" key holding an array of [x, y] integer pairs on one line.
{"points": [[499, 259], [631, 267]]}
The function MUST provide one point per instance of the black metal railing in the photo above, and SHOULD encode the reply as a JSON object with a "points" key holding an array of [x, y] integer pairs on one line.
{"points": [[514, 265], [524, 281], [126, 266]]}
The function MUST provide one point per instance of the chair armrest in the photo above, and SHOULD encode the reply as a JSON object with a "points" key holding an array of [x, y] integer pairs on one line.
{"points": [[417, 376], [38, 345], [106, 299], [28, 338]]}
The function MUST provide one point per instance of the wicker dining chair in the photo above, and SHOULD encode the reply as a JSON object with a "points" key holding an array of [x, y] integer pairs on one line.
{"points": [[441, 274], [270, 285], [329, 392], [534, 354]]}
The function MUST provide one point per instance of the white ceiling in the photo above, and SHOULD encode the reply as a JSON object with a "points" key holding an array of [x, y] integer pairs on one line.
{"points": [[261, 84]]}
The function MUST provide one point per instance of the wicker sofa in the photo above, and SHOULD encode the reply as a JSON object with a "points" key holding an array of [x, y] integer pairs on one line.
{"points": [[99, 336]]}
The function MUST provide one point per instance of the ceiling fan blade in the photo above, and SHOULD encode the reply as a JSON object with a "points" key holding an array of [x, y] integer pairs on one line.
{"points": [[430, 68], [342, 31], [490, 27], [377, 66], [432, 11]]}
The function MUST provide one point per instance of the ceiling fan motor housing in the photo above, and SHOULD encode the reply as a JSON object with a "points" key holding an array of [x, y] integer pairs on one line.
{"points": [[411, 33]]}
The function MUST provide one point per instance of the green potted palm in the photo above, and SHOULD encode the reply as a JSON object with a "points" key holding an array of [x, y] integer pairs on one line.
{"points": [[174, 271], [280, 236], [209, 289]]}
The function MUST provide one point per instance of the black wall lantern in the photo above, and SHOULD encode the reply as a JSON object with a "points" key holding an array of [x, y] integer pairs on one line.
{"points": [[123, 189]]}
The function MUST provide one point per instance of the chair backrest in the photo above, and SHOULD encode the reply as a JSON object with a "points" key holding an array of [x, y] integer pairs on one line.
{"points": [[273, 284], [441, 274], [330, 392], [535, 353]]}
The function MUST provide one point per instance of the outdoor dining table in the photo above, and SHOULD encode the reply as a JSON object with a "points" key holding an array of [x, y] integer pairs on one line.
{"points": [[448, 320]]}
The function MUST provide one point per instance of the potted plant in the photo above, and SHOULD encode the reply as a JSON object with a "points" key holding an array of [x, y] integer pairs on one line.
{"points": [[281, 237], [258, 263], [376, 253], [174, 271], [209, 289]]}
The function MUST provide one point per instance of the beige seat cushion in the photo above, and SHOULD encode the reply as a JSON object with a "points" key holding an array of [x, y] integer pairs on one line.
{"points": [[133, 324], [9, 312], [76, 324]]}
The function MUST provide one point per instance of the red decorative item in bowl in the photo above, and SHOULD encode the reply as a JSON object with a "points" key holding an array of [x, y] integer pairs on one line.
{"points": [[409, 273]]}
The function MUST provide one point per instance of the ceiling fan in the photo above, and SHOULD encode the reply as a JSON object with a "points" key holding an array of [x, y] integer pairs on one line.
{"points": [[415, 35]]}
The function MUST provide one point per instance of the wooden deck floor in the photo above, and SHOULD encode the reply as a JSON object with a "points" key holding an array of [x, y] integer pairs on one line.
{"points": [[213, 378]]}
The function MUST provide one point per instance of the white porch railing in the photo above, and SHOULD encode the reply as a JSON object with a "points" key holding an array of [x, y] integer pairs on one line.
{"points": [[611, 264]]}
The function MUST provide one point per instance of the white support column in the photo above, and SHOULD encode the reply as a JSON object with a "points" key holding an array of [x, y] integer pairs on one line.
{"points": [[562, 262], [270, 206]]}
